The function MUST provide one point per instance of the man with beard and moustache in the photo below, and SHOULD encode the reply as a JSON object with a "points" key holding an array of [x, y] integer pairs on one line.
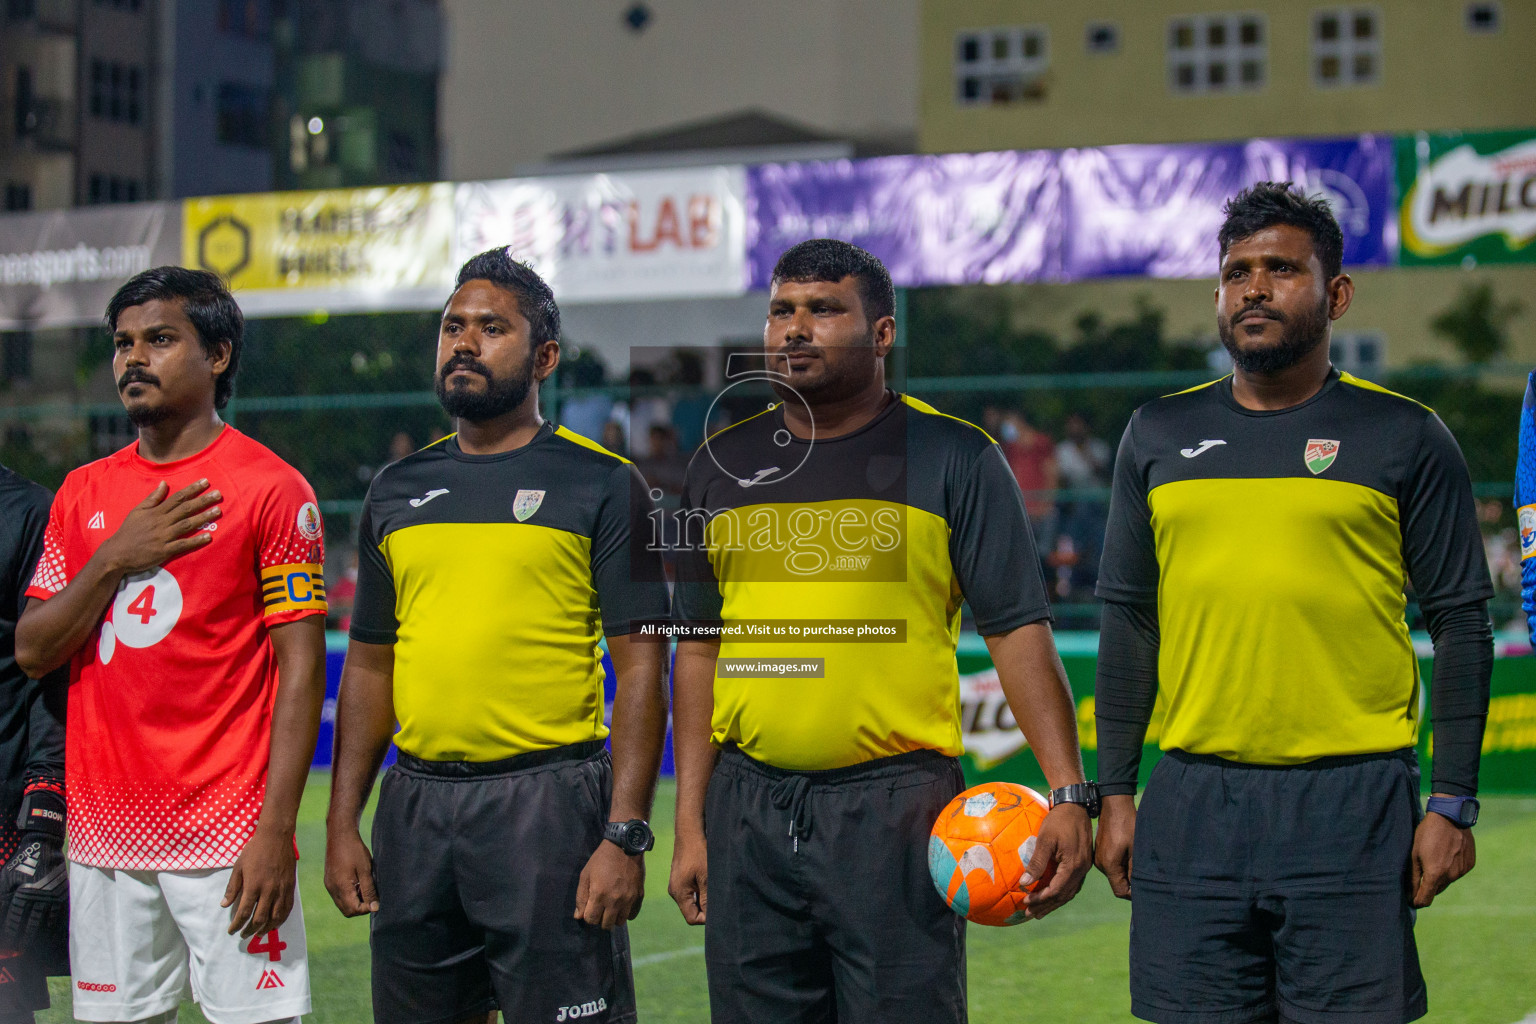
{"points": [[181, 580], [848, 505], [1262, 531], [507, 847]]}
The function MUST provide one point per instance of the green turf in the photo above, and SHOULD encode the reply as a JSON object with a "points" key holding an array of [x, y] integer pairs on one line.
{"points": [[1478, 942]]}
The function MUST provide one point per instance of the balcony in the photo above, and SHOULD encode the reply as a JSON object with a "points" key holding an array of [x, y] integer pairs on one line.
{"points": [[47, 123], [48, 15]]}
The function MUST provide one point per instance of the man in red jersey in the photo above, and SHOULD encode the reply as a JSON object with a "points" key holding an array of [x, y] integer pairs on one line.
{"points": [[181, 578]]}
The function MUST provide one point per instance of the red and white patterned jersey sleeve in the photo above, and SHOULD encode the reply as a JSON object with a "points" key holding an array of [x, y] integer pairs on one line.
{"points": [[52, 573], [290, 551]]}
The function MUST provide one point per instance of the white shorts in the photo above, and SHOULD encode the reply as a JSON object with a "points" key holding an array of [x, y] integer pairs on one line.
{"points": [[140, 942]]}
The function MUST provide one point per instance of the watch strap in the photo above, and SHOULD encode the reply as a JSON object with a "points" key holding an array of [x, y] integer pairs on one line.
{"points": [[1084, 794], [1461, 810]]}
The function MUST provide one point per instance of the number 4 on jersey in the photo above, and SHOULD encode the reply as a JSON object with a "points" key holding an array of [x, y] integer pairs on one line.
{"points": [[271, 945], [144, 605]]}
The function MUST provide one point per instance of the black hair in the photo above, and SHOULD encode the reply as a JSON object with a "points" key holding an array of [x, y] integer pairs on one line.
{"points": [[829, 259], [1268, 203], [207, 304], [535, 300]]}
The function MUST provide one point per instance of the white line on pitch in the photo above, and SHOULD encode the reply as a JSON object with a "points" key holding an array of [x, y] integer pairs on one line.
{"points": [[673, 954]]}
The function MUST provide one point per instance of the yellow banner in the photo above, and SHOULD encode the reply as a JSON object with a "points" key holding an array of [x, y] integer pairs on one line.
{"points": [[339, 240]]}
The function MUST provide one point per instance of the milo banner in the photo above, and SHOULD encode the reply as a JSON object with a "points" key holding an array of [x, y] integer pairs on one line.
{"points": [[338, 249], [59, 268], [1467, 196], [995, 749]]}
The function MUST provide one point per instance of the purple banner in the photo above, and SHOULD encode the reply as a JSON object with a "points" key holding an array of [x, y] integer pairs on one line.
{"points": [[1059, 215]]}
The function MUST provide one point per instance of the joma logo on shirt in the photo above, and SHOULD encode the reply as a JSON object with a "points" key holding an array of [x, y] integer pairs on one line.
{"points": [[590, 1008]]}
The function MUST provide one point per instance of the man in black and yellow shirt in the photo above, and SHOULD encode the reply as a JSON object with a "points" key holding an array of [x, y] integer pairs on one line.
{"points": [[849, 523], [506, 851], [1263, 529]]}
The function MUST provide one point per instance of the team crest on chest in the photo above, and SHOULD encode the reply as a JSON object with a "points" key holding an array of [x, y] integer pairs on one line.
{"points": [[526, 504], [1320, 454]]}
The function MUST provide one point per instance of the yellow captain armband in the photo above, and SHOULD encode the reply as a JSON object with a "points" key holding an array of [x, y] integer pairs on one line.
{"points": [[299, 587]]}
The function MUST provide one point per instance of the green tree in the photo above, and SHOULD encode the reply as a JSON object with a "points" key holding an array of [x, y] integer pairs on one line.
{"points": [[1475, 323]]}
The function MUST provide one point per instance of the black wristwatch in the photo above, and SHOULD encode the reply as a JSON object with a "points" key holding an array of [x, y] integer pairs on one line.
{"points": [[1084, 793], [1462, 810], [634, 836]]}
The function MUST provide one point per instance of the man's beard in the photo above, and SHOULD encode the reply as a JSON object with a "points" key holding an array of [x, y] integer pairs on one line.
{"points": [[839, 380], [498, 398], [143, 414], [1299, 337]]}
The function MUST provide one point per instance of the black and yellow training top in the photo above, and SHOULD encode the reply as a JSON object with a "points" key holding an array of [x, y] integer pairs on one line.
{"points": [[890, 527], [494, 577], [1277, 547]]}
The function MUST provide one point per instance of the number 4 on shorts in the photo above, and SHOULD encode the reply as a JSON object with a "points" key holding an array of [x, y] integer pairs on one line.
{"points": [[271, 945]]}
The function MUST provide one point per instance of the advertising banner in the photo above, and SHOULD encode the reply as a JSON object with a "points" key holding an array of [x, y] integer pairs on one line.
{"points": [[995, 749], [59, 268], [609, 237], [1467, 197], [1059, 215], [338, 249]]}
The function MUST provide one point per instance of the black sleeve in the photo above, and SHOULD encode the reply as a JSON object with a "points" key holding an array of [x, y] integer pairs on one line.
{"points": [[373, 607], [696, 596], [1125, 691], [46, 697], [1442, 544], [1128, 566], [1458, 694], [626, 557], [993, 550]]}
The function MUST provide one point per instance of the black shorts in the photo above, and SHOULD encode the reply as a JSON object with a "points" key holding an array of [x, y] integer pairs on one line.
{"points": [[820, 903], [476, 866], [1262, 892]]}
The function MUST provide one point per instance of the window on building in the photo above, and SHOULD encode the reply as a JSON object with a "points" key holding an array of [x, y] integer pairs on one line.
{"points": [[1217, 53], [16, 359], [1346, 46], [1358, 351], [400, 153], [110, 188], [117, 92], [1001, 65], [244, 18], [1484, 17], [1103, 37], [25, 115], [18, 196], [241, 114]]}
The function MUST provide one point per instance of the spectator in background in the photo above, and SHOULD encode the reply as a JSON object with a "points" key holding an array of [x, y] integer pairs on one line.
{"points": [[341, 593], [662, 464], [1083, 463], [613, 437], [400, 446], [693, 402], [586, 414], [645, 408], [1032, 457]]}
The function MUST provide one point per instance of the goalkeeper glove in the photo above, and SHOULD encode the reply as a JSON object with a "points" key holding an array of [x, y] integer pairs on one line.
{"points": [[34, 884]]}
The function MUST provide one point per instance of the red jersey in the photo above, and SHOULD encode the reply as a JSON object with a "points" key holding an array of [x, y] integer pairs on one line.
{"points": [[170, 701]]}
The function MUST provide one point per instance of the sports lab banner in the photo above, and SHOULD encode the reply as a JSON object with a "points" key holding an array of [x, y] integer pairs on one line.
{"points": [[59, 268], [612, 237], [337, 249], [1060, 215], [1467, 196]]}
